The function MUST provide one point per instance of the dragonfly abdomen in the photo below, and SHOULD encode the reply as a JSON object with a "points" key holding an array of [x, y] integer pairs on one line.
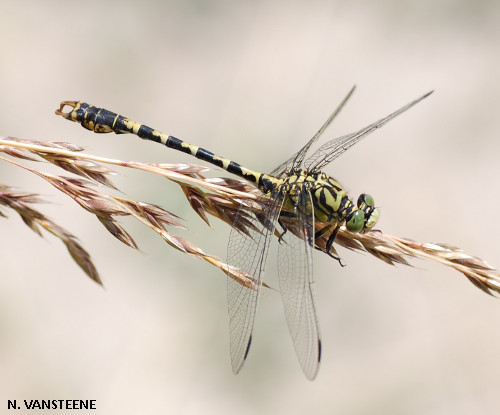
{"points": [[101, 120]]}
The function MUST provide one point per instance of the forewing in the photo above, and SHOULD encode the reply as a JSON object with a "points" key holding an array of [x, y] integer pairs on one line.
{"points": [[334, 148], [297, 287], [297, 159], [248, 252]]}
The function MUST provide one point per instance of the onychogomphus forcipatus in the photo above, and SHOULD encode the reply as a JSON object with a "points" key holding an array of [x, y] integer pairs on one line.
{"points": [[297, 188]]}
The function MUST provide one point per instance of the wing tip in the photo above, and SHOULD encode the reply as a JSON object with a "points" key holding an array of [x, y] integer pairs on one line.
{"points": [[248, 348], [237, 362], [428, 93]]}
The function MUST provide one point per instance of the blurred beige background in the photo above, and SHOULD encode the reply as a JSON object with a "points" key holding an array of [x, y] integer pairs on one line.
{"points": [[253, 81]]}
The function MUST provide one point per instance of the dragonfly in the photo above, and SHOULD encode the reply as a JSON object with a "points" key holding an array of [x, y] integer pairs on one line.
{"points": [[297, 190]]}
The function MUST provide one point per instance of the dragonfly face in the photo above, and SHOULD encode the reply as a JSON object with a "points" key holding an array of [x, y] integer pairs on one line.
{"points": [[366, 204]]}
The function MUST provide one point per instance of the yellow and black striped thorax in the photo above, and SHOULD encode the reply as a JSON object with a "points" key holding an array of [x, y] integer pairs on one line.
{"points": [[329, 200]]}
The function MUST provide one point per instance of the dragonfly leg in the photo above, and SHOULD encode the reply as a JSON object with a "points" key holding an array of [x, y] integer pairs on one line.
{"points": [[284, 231], [284, 214], [322, 231], [331, 239], [329, 243], [336, 257]]}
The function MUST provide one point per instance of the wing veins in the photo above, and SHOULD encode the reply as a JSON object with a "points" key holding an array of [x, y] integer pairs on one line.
{"points": [[298, 158], [297, 286], [248, 252], [334, 148]]}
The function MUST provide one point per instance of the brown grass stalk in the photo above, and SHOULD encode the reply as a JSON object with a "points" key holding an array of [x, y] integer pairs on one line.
{"points": [[209, 197]]}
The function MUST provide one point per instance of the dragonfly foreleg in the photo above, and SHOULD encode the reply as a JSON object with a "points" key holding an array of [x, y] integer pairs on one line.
{"points": [[329, 243], [288, 215]]}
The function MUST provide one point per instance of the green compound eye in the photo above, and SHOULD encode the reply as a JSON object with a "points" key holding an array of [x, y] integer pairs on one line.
{"points": [[356, 222], [369, 200], [372, 219], [366, 199]]}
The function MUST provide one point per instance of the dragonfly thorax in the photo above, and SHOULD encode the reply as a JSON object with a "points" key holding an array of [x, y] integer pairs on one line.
{"points": [[328, 199]]}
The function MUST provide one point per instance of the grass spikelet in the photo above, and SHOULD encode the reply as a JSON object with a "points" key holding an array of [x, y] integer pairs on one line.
{"points": [[220, 198], [20, 202]]}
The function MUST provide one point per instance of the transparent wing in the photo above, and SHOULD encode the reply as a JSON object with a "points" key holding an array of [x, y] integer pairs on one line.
{"points": [[297, 286], [334, 148], [297, 159], [248, 252]]}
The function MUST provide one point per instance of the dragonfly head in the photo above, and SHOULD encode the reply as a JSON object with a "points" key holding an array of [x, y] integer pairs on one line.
{"points": [[364, 217]]}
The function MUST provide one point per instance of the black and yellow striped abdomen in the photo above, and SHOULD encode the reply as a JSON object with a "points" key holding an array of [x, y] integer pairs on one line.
{"points": [[101, 120]]}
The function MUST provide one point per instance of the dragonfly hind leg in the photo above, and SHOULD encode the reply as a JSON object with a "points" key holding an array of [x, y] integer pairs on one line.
{"points": [[283, 232]]}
